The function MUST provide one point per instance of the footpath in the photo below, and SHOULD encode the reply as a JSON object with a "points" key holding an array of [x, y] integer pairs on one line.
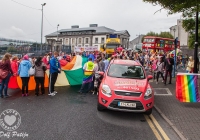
{"points": [[184, 118]]}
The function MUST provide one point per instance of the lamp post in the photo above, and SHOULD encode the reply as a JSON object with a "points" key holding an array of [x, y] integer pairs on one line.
{"points": [[174, 32], [42, 26], [57, 31], [196, 42], [175, 45]]}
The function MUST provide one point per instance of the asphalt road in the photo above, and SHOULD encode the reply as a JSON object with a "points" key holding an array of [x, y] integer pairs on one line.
{"points": [[70, 116]]}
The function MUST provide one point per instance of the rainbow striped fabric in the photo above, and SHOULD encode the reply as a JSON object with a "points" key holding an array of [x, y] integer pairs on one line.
{"points": [[187, 87]]}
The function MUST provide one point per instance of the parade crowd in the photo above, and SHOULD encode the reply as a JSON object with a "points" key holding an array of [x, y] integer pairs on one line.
{"points": [[159, 64]]}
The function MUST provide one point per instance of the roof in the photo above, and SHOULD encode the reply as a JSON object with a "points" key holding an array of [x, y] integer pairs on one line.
{"points": [[129, 62], [152, 37], [100, 29]]}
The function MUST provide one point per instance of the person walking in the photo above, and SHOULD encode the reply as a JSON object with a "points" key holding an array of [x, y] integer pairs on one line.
{"points": [[40, 69], [5, 67], [168, 66], [23, 72], [160, 68], [54, 70]]}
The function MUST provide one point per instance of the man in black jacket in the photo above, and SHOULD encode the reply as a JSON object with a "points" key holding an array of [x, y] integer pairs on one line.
{"points": [[168, 66]]}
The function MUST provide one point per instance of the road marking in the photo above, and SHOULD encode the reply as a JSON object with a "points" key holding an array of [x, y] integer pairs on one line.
{"points": [[159, 128], [167, 90], [153, 128]]}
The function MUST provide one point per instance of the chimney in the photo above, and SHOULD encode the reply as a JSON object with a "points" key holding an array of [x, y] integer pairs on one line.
{"points": [[93, 25], [75, 26]]}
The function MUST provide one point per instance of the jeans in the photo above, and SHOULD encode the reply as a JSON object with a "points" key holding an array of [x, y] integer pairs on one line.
{"points": [[52, 80], [39, 81], [4, 85], [158, 74], [86, 85], [25, 81], [170, 76]]}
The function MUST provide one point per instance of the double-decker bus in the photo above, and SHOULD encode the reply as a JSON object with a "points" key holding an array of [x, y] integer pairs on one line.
{"points": [[159, 44]]}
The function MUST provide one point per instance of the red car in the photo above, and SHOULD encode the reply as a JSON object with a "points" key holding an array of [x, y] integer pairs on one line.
{"points": [[125, 87]]}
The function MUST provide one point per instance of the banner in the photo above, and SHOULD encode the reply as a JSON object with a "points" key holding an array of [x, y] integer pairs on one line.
{"points": [[82, 49], [187, 87]]}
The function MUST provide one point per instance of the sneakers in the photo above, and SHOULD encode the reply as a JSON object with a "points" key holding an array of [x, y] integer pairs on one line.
{"points": [[55, 92], [6, 96], [52, 94], [23, 95], [26, 94]]}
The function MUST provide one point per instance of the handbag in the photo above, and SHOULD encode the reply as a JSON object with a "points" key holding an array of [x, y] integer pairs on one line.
{"points": [[3, 74], [32, 71]]}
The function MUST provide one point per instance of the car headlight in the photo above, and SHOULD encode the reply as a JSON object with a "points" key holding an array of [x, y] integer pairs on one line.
{"points": [[148, 93], [106, 90]]}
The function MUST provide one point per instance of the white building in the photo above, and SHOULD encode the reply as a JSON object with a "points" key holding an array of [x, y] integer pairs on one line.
{"points": [[90, 36], [179, 31]]}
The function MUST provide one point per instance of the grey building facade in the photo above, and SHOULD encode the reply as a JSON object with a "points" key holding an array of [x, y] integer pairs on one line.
{"points": [[91, 36]]}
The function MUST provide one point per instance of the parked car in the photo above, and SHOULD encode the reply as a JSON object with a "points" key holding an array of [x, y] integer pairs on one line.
{"points": [[125, 87]]}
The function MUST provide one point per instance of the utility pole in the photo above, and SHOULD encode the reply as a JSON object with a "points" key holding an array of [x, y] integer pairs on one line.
{"points": [[42, 26], [196, 42], [175, 46], [57, 31]]}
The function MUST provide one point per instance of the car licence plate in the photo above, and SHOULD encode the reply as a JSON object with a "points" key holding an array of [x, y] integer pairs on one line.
{"points": [[133, 105]]}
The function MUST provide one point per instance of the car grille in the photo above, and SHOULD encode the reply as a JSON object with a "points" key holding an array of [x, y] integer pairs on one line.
{"points": [[123, 93], [139, 105]]}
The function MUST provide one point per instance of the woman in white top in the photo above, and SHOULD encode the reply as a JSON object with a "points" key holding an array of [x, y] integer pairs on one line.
{"points": [[160, 69]]}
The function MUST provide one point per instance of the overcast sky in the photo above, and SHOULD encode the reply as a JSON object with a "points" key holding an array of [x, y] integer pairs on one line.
{"points": [[135, 16]]}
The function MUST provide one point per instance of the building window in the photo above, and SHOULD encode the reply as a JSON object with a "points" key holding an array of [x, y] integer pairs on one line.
{"points": [[86, 45], [96, 40], [79, 40], [87, 40], [67, 41], [102, 40], [72, 40]]}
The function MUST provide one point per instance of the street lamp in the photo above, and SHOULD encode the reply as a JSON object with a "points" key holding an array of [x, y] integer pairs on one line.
{"points": [[42, 25], [174, 32], [196, 41], [57, 31]]}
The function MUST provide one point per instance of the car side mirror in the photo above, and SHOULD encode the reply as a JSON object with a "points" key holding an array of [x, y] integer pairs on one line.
{"points": [[149, 77], [101, 73]]}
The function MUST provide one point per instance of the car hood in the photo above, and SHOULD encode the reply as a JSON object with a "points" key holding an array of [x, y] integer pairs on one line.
{"points": [[124, 84]]}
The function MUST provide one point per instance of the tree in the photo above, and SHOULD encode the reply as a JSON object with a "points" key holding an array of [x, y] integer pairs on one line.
{"points": [[11, 49], [189, 26], [188, 9], [176, 6], [162, 34]]}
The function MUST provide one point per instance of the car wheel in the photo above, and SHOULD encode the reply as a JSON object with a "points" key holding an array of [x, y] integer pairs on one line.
{"points": [[148, 112], [100, 107]]}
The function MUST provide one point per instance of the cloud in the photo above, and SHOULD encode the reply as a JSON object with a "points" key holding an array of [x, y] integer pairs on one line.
{"points": [[14, 33]]}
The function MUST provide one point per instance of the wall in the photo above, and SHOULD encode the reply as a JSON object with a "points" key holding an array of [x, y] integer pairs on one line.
{"points": [[180, 33], [99, 40]]}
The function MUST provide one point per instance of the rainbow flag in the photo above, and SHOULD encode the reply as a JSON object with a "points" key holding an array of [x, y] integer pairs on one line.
{"points": [[187, 87]]}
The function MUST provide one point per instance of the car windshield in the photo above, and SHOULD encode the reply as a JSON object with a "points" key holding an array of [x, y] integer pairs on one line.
{"points": [[126, 71]]}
